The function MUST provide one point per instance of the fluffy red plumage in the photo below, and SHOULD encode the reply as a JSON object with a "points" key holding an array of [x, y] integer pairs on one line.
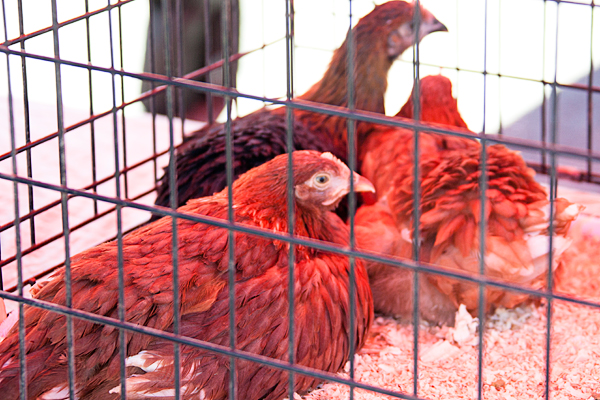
{"points": [[322, 303], [517, 217], [380, 37]]}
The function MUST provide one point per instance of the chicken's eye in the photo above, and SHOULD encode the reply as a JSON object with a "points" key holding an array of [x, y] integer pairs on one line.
{"points": [[321, 180]]}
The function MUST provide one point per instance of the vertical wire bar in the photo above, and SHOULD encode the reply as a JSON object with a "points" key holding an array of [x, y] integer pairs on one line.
{"points": [[207, 50], [416, 194], [122, 78], [457, 66], [351, 132], [179, 64], [13, 151], [482, 215], [289, 46], [263, 53], [544, 101], [91, 99], [63, 199], [225, 10], [153, 86], [499, 68], [121, 273], [553, 185], [27, 123], [590, 112], [172, 197]]}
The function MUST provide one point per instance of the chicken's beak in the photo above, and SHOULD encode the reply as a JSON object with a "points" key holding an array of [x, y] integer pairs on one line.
{"points": [[431, 26], [362, 184]]}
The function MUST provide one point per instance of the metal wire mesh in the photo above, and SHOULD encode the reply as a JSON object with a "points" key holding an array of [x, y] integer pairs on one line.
{"points": [[173, 83]]}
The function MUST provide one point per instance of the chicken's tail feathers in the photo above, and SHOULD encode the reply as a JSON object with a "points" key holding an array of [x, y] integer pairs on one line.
{"points": [[537, 220]]}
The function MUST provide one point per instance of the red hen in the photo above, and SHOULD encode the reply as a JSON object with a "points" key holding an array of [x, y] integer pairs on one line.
{"points": [[517, 215], [437, 104], [322, 300]]}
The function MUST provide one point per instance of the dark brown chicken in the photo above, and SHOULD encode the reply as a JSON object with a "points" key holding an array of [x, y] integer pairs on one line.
{"points": [[380, 37], [517, 217], [322, 301]]}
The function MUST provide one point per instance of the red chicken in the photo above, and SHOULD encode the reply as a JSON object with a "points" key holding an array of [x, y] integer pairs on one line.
{"points": [[437, 104], [380, 37], [322, 301], [517, 217]]}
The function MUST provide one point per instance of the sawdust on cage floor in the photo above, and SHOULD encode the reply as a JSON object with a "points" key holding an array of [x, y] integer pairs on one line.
{"points": [[514, 357]]}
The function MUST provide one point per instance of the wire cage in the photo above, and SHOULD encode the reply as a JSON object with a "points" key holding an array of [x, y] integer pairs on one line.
{"points": [[74, 175]]}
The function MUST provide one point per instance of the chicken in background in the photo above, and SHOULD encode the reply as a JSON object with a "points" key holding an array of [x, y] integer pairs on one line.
{"points": [[437, 104], [322, 298], [516, 219], [379, 37]]}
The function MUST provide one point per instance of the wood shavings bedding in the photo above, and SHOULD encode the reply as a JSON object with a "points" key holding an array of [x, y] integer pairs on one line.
{"points": [[514, 357]]}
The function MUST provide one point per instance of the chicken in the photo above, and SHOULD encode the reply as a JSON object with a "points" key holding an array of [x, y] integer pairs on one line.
{"points": [[517, 217], [322, 298], [437, 104], [380, 37]]}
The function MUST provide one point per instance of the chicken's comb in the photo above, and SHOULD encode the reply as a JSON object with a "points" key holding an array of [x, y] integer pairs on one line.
{"points": [[333, 158]]}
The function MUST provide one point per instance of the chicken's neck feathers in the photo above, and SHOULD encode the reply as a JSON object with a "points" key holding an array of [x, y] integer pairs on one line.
{"points": [[370, 79]]}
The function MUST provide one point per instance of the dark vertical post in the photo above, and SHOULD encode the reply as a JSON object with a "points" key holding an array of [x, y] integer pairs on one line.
{"points": [[351, 135], [122, 79], [590, 109], [172, 195], [64, 199], [120, 276], [17, 224], [482, 216], [91, 100], [289, 43], [225, 13], [416, 194], [27, 123], [553, 184]]}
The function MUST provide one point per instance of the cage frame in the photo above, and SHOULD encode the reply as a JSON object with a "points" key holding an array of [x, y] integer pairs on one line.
{"points": [[170, 83]]}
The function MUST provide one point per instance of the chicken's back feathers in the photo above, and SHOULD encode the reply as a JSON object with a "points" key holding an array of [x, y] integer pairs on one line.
{"points": [[437, 104], [321, 313], [386, 154], [201, 162], [516, 219]]}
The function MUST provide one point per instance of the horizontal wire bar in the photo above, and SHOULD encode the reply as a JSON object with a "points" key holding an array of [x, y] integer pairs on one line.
{"points": [[335, 111], [143, 96], [202, 71], [317, 244], [223, 350], [32, 279], [92, 185], [575, 85], [49, 29], [164, 79], [576, 175], [54, 238]]}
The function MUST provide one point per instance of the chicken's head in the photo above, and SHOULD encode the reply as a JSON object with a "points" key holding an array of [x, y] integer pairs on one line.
{"points": [[392, 25], [325, 181], [320, 182]]}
